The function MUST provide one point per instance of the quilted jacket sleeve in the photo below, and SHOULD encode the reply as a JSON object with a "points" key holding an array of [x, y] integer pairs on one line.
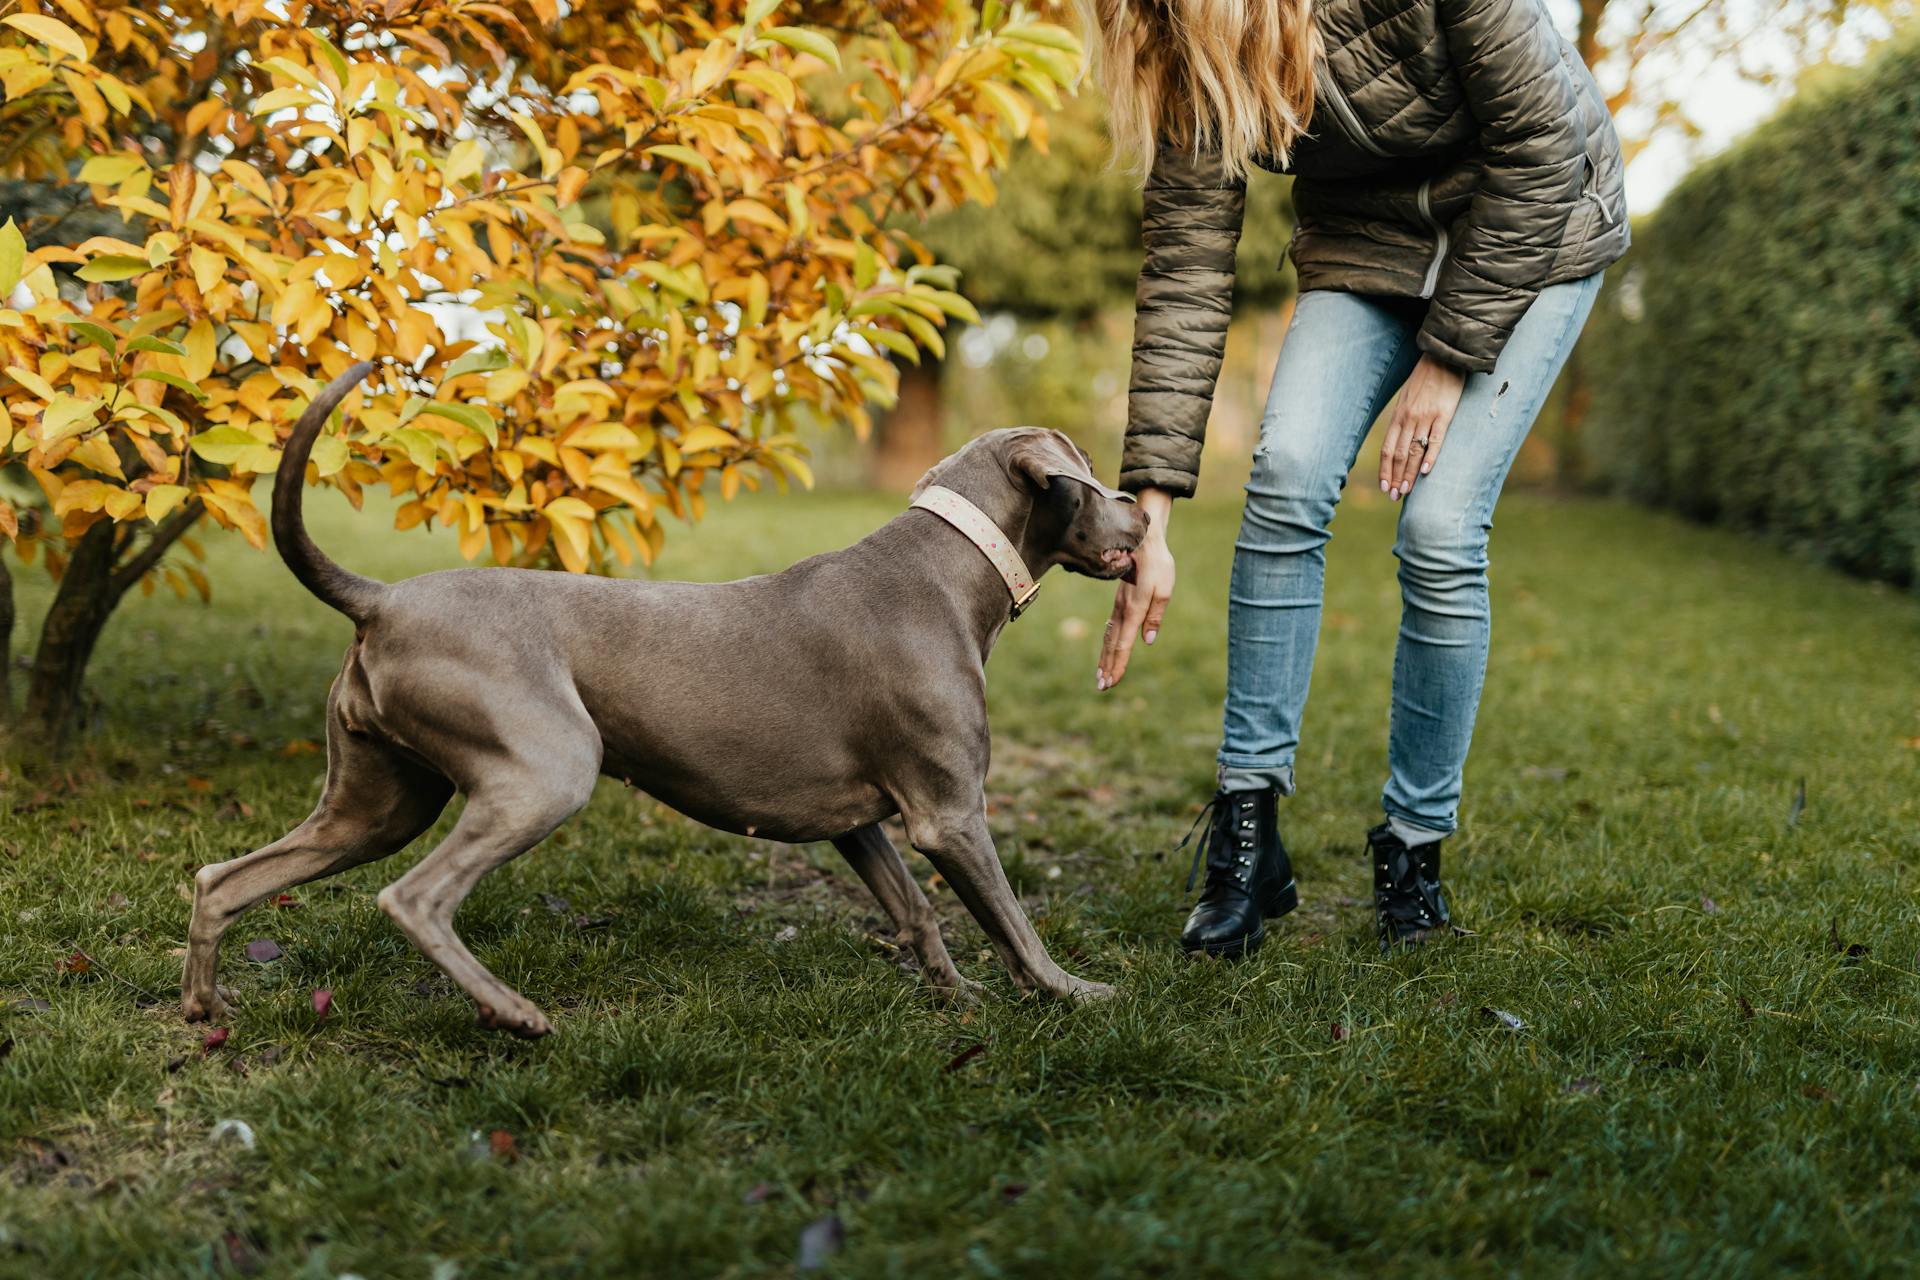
{"points": [[1190, 226], [1507, 55]]}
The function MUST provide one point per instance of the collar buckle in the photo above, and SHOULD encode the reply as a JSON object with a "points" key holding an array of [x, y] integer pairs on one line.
{"points": [[1022, 600]]}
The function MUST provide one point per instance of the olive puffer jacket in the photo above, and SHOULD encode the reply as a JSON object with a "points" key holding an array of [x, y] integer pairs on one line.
{"points": [[1459, 151]]}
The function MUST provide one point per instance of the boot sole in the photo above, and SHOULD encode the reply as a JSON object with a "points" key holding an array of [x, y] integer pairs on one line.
{"points": [[1283, 901]]}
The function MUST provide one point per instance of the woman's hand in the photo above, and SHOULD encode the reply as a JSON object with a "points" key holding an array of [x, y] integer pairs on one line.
{"points": [[1141, 602], [1419, 424]]}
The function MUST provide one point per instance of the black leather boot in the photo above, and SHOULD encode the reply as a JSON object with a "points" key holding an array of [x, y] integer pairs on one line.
{"points": [[1408, 907], [1249, 877]]}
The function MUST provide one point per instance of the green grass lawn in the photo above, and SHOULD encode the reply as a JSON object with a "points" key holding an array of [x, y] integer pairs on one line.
{"points": [[1704, 1084]]}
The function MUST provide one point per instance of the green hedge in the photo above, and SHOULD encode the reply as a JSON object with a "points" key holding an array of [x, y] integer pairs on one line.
{"points": [[1756, 358]]}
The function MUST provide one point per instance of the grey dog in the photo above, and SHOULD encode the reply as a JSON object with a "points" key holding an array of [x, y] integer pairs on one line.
{"points": [[806, 705]]}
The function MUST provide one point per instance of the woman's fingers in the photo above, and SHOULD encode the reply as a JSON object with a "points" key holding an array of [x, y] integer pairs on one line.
{"points": [[1433, 445], [1156, 610], [1398, 453], [1418, 441], [1131, 609], [1111, 647], [1395, 426]]}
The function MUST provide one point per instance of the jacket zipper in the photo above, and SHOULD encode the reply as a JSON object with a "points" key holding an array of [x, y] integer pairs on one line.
{"points": [[1344, 110], [1440, 238]]}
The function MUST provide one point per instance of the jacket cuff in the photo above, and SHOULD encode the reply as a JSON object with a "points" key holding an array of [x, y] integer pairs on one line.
{"points": [[1445, 352], [1178, 483]]}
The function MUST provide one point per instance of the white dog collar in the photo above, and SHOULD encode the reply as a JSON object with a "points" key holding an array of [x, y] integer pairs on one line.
{"points": [[994, 544]]}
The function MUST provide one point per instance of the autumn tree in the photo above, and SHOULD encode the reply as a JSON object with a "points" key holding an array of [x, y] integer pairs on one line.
{"points": [[680, 226]]}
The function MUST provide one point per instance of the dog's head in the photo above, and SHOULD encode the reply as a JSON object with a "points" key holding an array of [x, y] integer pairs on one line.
{"points": [[1065, 512]]}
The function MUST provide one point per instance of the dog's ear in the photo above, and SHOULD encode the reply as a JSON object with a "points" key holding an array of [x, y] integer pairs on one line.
{"points": [[1038, 457]]}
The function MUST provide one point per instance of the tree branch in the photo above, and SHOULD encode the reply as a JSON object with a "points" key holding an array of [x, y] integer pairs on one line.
{"points": [[168, 533]]}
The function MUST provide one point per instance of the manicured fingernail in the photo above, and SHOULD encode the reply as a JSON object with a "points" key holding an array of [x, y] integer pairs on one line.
{"points": [[1383, 487], [1425, 467], [1151, 635]]}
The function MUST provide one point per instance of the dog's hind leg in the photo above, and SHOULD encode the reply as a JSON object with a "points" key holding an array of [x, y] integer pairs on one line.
{"points": [[375, 802], [879, 864], [514, 806]]}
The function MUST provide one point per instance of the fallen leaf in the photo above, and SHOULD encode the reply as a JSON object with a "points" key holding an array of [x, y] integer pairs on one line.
{"points": [[1510, 1021], [787, 934], [1709, 906], [78, 962], [1818, 1092], [199, 784], [1013, 1191], [500, 1143], [116, 901], [967, 1055], [758, 1193], [213, 1039], [285, 901], [322, 1004], [1338, 1032], [556, 904], [264, 951], [820, 1240], [1584, 1084], [1746, 1006]]}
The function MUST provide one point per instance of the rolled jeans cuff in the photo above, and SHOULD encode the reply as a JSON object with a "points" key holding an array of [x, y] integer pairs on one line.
{"points": [[1256, 777]]}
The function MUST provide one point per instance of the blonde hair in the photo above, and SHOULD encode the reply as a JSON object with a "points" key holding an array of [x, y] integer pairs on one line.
{"points": [[1232, 76]]}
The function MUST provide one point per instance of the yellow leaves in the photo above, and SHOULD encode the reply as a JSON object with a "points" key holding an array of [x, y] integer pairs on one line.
{"points": [[682, 155], [209, 268], [51, 32], [65, 415], [162, 499], [754, 269], [233, 506], [235, 448], [706, 437], [803, 40], [13, 257], [572, 522]]}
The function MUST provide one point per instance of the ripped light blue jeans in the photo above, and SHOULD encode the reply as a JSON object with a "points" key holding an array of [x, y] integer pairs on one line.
{"points": [[1344, 357]]}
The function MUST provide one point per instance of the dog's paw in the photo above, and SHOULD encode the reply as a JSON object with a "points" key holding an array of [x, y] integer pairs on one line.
{"points": [[526, 1022], [1081, 991], [961, 992], [214, 1006]]}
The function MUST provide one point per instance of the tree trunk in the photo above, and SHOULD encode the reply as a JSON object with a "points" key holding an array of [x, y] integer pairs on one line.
{"points": [[910, 436], [79, 612], [95, 580], [1587, 41]]}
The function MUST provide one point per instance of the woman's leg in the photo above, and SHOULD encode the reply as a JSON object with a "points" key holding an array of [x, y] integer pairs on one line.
{"points": [[1445, 622], [1343, 358]]}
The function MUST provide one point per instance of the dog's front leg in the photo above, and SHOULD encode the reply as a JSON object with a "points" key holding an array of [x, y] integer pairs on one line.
{"points": [[961, 848]]}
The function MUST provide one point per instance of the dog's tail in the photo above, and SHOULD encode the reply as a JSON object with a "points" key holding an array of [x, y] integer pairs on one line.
{"points": [[351, 594]]}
